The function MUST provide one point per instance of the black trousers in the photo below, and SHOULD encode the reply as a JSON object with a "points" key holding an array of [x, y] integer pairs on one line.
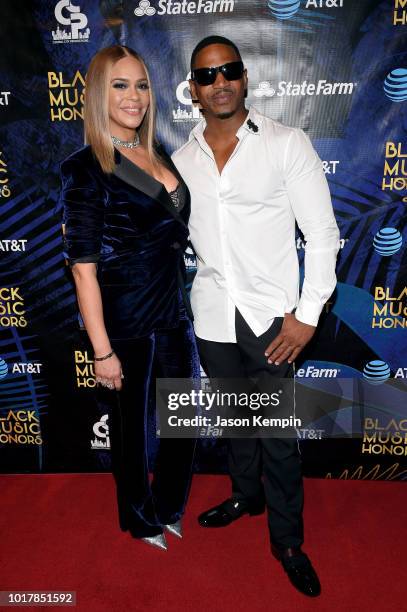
{"points": [[266, 468], [144, 507]]}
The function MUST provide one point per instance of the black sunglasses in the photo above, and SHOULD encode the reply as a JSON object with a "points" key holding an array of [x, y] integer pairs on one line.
{"points": [[207, 76]]}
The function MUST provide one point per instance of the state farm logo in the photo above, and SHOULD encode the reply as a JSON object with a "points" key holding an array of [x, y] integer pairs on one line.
{"points": [[313, 372], [301, 243], [144, 8], [264, 90], [184, 7], [267, 89]]}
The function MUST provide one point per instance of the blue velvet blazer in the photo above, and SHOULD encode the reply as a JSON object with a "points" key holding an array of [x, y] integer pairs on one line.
{"points": [[127, 224]]}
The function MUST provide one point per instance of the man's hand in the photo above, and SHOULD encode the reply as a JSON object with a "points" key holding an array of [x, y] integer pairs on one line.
{"points": [[292, 338]]}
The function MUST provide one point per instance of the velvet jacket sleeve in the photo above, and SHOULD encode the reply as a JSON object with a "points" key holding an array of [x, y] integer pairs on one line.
{"points": [[82, 203]]}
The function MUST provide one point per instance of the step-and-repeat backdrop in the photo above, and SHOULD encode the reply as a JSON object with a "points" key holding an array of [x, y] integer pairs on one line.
{"points": [[336, 68]]}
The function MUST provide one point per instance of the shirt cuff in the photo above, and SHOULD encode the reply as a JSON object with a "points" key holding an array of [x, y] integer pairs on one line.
{"points": [[308, 312]]}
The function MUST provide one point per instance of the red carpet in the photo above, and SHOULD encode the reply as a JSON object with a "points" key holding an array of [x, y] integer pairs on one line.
{"points": [[60, 532]]}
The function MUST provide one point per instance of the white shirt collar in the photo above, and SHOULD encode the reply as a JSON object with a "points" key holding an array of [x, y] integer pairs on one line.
{"points": [[254, 116]]}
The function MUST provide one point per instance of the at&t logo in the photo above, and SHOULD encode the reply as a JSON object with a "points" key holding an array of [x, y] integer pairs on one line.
{"points": [[19, 368], [3, 368], [285, 9], [376, 372], [4, 98], [13, 245], [387, 241], [395, 85]]}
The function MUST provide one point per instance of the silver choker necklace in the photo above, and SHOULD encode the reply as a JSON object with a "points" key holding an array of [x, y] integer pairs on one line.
{"points": [[125, 143]]}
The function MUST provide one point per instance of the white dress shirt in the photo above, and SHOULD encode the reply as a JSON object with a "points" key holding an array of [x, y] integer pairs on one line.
{"points": [[242, 228]]}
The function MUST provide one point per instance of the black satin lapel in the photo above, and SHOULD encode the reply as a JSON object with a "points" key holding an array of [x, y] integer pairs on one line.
{"points": [[136, 177]]}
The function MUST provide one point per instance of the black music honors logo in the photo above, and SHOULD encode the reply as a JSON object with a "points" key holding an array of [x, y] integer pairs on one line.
{"points": [[84, 369], [66, 97], [12, 308], [20, 427]]}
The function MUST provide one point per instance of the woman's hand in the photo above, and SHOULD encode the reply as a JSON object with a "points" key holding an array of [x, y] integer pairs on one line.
{"points": [[108, 372]]}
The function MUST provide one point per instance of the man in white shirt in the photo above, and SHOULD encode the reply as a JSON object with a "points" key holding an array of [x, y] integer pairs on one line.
{"points": [[251, 179]]}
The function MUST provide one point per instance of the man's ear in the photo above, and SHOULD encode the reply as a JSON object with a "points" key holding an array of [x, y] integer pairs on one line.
{"points": [[192, 89]]}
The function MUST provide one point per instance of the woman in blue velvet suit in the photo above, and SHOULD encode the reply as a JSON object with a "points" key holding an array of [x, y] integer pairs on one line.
{"points": [[126, 211]]}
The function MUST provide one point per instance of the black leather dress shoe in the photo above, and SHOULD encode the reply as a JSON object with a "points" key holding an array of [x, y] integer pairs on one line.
{"points": [[228, 511], [300, 571]]}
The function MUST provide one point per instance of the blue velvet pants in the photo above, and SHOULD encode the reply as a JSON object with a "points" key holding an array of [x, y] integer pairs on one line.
{"points": [[143, 506]]}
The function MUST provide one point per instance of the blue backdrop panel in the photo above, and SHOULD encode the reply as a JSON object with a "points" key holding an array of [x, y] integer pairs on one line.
{"points": [[336, 68]]}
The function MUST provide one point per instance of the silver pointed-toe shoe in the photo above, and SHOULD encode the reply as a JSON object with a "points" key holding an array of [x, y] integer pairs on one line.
{"points": [[175, 528], [159, 541]]}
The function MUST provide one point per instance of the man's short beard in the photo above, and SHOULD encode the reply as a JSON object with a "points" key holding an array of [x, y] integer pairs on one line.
{"points": [[225, 115]]}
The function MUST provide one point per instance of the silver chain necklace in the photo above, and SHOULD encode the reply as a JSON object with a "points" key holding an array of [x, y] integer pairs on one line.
{"points": [[125, 143]]}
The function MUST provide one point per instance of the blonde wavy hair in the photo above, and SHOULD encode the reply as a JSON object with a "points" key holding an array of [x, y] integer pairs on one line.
{"points": [[96, 107]]}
